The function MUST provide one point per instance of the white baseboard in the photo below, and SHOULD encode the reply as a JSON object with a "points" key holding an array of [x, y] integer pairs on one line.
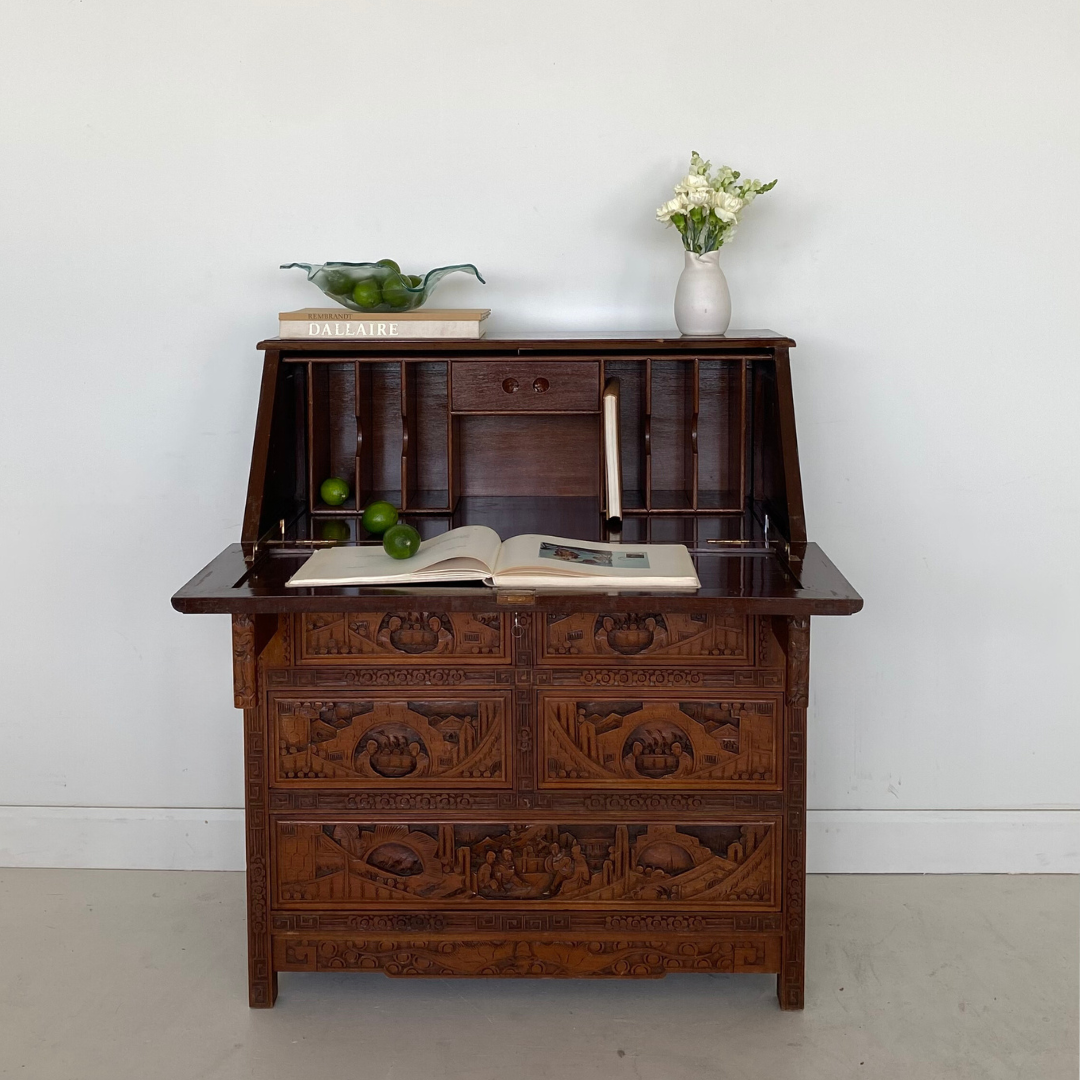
{"points": [[943, 841], [118, 838], [838, 841]]}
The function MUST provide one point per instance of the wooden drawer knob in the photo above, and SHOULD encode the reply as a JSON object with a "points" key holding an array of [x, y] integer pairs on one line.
{"points": [[540, 385], [510, 386]]}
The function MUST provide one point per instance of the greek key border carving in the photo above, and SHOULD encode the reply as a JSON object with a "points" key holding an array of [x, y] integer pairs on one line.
{"points": [[527, 957], [516, 921], [662, 678]]}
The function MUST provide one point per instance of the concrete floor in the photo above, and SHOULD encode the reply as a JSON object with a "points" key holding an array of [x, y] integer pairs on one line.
{"points": [[110, 975]]}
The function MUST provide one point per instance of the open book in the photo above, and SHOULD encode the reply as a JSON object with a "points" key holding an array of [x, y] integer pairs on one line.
{"points": [[529, 561]]}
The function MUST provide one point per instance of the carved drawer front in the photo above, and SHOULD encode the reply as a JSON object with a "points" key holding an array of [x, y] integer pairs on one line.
{"points": [[394, 740], [323, 864], [619, 637], [403, 637], [642, 742], [526, 956]]}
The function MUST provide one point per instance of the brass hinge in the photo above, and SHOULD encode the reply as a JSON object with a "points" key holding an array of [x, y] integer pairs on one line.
{"points": [[515, 599]]}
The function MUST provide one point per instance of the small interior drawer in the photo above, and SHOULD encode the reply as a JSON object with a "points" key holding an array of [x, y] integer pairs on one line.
{"points": [[526, 386]]}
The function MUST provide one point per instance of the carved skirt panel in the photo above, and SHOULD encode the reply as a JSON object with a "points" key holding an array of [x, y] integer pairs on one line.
{"points": [[403, 637], [614, 637], [529, 956], [645, 742], [390, 740], [729, 865]]}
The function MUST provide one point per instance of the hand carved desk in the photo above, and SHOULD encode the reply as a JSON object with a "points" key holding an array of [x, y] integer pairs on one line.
{"points": [[461, 781]]}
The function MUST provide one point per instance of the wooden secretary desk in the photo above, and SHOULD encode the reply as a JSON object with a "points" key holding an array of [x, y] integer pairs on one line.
{"points": [[451, 781]]}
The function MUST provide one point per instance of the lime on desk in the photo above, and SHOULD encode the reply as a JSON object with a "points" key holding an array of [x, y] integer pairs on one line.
{"points": [[367, 293], [378, 517], [334, 491], [401, 541]]}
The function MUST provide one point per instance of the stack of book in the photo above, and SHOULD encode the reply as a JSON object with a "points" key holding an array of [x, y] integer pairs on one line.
{"points": [[325, 323]]}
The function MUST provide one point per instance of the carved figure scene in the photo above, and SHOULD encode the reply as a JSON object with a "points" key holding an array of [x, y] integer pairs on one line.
{"points": [[676, 635], [625, 742], [417, 634], [387, 741], [714, 864]]}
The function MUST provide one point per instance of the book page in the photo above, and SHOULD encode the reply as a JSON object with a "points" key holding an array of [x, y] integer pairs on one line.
{"points": [[465, 554], [557, 557]]}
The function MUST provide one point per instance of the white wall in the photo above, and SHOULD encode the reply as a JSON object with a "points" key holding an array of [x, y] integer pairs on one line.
{"points": [[160, 160]]}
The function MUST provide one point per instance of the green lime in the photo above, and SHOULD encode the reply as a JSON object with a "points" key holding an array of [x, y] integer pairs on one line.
{"points": [[414, 280], [334, 491], [334, 529], [394, 291], [390, 265], [401, 541], [379, 516], [336, 282], [367, 293]]}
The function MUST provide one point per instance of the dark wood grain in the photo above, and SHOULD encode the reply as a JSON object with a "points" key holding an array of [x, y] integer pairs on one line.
{"points": [[730, 586], [462, 781], [789, 448], [526, 386], [262, 979], [571, 342]]}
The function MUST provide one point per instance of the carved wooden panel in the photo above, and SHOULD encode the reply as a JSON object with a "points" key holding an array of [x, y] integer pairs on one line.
{"points": [[789, 985], [585, 923], [391, 677], [406, 637], [567, 801], [525, 957], [701, 678], [328, 864], [262, 979], [647, 741], [617, 637], [365, 741]]}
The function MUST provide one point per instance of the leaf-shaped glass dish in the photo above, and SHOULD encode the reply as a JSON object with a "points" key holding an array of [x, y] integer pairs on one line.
{"points": [[366, 286]]}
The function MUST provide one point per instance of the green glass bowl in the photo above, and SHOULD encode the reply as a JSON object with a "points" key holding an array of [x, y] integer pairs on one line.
{"points": [[383, 288]]}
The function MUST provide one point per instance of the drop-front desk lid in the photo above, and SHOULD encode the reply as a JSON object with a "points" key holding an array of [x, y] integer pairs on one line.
{"points": [[741, 570]]}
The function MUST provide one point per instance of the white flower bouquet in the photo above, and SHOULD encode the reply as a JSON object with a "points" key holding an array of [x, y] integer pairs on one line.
{"points": [[707, 205]]}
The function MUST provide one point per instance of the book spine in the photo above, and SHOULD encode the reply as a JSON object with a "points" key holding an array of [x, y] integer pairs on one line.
{"points": [[368, 329]]}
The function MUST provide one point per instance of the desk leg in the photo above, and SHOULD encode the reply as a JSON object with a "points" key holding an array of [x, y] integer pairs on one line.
{"points": [[262, 979], [789, 983]]}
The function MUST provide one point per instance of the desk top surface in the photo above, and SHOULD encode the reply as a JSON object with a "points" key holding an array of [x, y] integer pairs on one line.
{"points": [[546, 341]]}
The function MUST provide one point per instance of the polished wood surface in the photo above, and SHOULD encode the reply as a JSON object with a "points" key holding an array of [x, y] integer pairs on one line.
{"points": [[464, 781], [730, 585], [572, 341], [512, 386]]}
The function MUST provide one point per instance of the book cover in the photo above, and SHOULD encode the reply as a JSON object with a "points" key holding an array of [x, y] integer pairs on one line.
{"points": [[324, 323]]}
